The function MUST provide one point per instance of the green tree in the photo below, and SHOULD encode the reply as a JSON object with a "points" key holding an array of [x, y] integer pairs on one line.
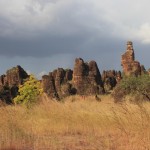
{"points": [[29, 92], [137, 87]]}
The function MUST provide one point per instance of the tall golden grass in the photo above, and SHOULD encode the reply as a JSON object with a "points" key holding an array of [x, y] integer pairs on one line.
{"points": [[76, 124]]}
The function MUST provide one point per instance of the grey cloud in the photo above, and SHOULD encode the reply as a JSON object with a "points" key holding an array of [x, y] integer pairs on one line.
{"points": [[92, 29], [41, 47], [71, 32]]}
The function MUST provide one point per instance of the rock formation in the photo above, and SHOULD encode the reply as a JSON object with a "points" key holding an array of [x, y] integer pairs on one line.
{"points": [[3, 80], [110, 79], [112, 73], [60, 79], [9, 83], [15, 76], [56, 84], [130, 66], [48, 84], [87, 78]]}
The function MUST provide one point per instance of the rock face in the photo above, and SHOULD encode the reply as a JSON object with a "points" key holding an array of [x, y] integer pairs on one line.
{"points": [[9, 83], [111, 78], [48, 84], [3, 80], [15, 76], [56, 84], [87, 78], [130, 66]]}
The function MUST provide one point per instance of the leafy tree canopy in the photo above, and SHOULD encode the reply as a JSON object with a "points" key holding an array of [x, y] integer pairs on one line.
{"points": [[137, 87], [29, 92]]}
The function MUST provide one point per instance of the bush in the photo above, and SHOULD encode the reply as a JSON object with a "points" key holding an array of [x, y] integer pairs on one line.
{"points": [[119, 94], [28, 92], [137, 87]]}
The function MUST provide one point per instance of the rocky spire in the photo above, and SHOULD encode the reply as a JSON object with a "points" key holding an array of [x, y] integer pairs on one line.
{"points": [[130, 66], [87, 78]]}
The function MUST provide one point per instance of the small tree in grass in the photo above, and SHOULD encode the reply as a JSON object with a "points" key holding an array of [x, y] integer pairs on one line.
{"points": [[29, 92], [137, 87]]}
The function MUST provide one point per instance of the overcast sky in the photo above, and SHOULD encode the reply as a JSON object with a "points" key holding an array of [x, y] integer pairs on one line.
{"points": [[41, 35]]}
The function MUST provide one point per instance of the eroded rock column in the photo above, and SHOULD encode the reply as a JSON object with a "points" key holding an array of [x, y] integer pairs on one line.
{"points": [[129, 65]]}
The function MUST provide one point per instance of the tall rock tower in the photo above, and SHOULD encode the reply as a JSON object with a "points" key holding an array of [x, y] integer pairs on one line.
{"points": [[130, 66], [87, 78]]}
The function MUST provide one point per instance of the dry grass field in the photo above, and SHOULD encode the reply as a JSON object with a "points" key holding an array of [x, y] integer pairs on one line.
{"points": [[76, 124]]}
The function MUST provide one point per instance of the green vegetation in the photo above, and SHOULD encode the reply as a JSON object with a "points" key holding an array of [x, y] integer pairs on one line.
{"points": [[28, 92], [137, 87]]}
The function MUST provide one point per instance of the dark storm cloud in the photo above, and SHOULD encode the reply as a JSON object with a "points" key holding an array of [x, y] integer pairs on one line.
{"points": [[41, 30], [41, 47], [44, 46], [92, 29]]}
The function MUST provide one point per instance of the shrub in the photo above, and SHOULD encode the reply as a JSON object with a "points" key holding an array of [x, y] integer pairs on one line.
{"points": [[119, 93], [28, 92], [137, 87]]}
